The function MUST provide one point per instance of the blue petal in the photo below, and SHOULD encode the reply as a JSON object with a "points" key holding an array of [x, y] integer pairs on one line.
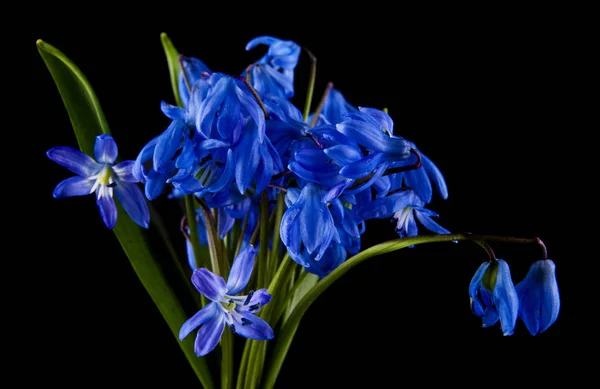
{"points": [[241, 270], [252, 327], [173, 112], [506, 299], [383, 119], [420, 184], [134, 203], [265, 40], [539, 301], [168, 144], [490, 318], [105, 149], [209, 144], [259, 299], [155, 183], [209, 107], [108, 210], [476, 280], [428, 223], [124, 171], [363, 167], [201, 317], [74, 186], [343, 154], [209, 335], [74, 160], [435, 175], [254, 110], [144, 156], [210, 285], [290, 231], [226, 174], [365, 134]]}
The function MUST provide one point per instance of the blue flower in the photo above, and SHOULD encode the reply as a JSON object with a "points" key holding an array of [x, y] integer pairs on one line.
{"points": [[406, 208], [372, 130], [273, 74], [102, 177], [307, 224], [237, 312], [539, 301], [494, 297]]}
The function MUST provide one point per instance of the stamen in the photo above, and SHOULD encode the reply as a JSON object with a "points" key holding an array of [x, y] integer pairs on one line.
{"points": [[112, 184], [232, 327], [246, 322], [254, 307], [250, 294]]}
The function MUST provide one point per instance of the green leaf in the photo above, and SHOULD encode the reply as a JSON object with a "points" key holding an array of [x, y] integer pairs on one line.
{"points": [[88, 121], [82, 104], [174, 66]]}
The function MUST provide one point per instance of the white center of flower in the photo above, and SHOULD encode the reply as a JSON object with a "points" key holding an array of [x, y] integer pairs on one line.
{"points": [[104, 182]]}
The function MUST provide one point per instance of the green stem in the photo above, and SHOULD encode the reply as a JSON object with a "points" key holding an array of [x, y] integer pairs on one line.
{"points": [[243, 366], [274, 257], [241, 236], [311, 83], [190, 211], [213, 240], [158, 222], [289, 329], [227, 360], [315, 117], [264, 241]]}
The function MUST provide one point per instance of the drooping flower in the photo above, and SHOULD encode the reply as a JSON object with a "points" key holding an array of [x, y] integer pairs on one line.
{"points": [[539, 301], [273, 74], [237, 312], [102, 177], [307, 224], [493, 296]]}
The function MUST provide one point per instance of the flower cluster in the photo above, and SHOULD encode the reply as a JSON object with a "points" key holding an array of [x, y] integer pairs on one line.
{"points": [[239, 147], [535, 300]]}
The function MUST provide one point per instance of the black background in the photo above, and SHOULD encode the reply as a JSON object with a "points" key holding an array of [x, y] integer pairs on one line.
{"points": [[489, 96]]}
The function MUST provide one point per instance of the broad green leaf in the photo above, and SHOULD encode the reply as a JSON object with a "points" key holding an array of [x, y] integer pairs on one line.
{"points": [[88, 121], [174, 66]]}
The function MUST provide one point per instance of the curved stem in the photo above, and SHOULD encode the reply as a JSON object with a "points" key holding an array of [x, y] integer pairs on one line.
{"points": [[289, 328], [190, 210], [311, 84], [315, 117]]}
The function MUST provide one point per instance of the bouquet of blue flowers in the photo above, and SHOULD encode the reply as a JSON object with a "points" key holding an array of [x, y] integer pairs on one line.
{"points": [[276, 198]]}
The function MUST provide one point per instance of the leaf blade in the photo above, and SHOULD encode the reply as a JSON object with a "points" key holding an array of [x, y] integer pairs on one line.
{"points": [[88, 121]]}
